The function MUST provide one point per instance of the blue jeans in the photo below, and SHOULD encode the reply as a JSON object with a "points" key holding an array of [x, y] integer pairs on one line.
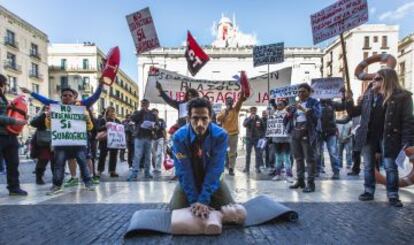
{"points": [[64, 153], [348, 153], [252, 143], [391, 170], [333, 152], [142, 147], [282, 157]]}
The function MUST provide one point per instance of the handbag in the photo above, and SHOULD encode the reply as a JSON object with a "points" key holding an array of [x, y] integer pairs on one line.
{"points": [[43, 137], [101, 136]]}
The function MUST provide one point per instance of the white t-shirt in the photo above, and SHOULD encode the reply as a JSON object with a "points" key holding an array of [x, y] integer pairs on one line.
{"points": [[301, 114]]}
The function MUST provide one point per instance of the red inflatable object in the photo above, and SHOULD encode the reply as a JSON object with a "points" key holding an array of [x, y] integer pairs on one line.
{"points": [[168, 163], [244, 82], [113, 59], [17, 109]]}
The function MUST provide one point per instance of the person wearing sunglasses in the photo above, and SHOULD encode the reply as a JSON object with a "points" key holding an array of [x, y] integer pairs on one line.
{"points": [[304, 116], [386, 127], [9, 145]]}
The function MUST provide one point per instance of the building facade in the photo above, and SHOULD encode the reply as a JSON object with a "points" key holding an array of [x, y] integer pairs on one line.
{"points": [[78, 66], [406, 62], [361, 42]]}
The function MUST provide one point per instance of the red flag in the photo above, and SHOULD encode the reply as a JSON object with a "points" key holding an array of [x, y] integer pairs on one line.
{"points": [[245, 85], [196, 57]]}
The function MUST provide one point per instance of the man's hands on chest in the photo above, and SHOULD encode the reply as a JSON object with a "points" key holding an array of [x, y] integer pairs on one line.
{"points": [[200, 210]]}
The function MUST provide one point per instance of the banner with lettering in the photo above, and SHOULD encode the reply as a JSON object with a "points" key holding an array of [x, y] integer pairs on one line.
{"points": [[216, 91], [68, 125], [116, 136]]}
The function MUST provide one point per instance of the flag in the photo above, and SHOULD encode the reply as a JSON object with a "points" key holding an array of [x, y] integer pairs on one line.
{"points": [[245, 85], [195, 56]]}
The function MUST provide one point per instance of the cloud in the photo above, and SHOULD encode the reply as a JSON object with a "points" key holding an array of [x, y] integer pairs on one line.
{"points": [[399, 13], [213, 29]]}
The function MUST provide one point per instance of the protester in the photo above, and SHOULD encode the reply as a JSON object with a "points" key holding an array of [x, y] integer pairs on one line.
{"points": [[268, 158], [179, 105], [110, 116], [64, 153], [255, 130], [282, 146], [199, 150], [386, 127], [356, 153], [41, 143], [345, 141], [229, 120], [160, 137], [129, 127], [9, 146], [144, 121], [304, 116]]}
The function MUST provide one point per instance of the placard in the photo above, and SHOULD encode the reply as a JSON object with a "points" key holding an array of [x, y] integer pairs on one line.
{"points": [[68, 125], [275, 125], [327, 88], [284, 92], [183, 110], [268, 54], [116, 136], [217, 108]]}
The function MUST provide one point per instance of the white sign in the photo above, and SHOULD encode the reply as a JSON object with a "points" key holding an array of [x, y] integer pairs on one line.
{"points": [[175, 86], [327, 88], [284, 92], [143, 30], [68, 125], [337, 18], [116, 136], [275, 126], [217, 108], [268, 54], [182, 110]]}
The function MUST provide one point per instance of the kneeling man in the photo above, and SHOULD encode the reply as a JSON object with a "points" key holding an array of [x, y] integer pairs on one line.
{"points": [[199, 149]]}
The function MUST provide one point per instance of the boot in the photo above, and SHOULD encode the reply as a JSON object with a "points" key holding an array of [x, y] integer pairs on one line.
{"points": [[39, 177], [310, 187], [300, 183]]}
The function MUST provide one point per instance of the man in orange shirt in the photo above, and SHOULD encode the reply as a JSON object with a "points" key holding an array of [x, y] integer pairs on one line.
{"points": [[229, 120]]}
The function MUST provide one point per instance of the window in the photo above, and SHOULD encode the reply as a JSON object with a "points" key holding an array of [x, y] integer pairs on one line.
{"points": [[10, 38], [366, 55], [111, 91], [384, 43], [85, 64], [117, 109], [117, 93], [11, 60], [122, 111], [366, 42], [35, 87], [64, 82], [12, 85], [85, 81], [402, 73], [34, 71], [34, 50], [63, 64], [375, 39]]}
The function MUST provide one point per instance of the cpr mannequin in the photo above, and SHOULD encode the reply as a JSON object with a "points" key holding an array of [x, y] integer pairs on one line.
{"points": [[184, 222]]}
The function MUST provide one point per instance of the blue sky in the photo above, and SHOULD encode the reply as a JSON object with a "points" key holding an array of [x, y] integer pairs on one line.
{"points": [[103, 21]]}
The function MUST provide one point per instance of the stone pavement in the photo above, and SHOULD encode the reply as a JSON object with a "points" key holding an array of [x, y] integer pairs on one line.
{"points": [[331, 215]]}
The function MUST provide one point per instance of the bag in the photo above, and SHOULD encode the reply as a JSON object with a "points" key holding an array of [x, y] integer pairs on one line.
{"points": [[101, 136], [168, 163], [43, 137]]}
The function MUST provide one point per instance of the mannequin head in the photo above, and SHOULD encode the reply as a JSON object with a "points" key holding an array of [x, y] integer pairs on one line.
{"points": [[234, 214]]}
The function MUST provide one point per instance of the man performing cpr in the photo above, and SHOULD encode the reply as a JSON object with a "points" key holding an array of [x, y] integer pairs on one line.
{"points": [[199, 150]]}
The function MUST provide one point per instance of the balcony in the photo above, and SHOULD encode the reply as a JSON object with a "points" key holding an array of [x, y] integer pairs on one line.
{"points": [[11, 42], [12, 66], [35, 75], [35, 55]]}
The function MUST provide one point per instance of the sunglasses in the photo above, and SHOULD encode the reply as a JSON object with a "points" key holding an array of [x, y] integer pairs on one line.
{"points": [[378, 79], [302, 91]]}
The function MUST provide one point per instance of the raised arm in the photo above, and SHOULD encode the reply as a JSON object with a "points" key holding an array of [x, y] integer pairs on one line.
{"points": [[88, 102], [166, 98], [239, 103]]}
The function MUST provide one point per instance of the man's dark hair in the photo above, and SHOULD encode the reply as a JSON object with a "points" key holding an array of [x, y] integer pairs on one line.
{"points": [[199, 103], [3, 79], [193, 92], [144, 100], [305, 86], [155, 110], [71, 90]]}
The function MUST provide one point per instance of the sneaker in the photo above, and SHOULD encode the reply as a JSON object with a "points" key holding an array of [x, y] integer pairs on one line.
{"points": [[54, 190], [277, 178], [258, 171], [352, 173], [149, 176], [231, 172], [156, 172], [90, 187], [290, 179], [132, 178], [17, 192], [71, 182], [395, 202], [95, 180], [335, 176], [366, 196], [114, 175], [310, 187]]}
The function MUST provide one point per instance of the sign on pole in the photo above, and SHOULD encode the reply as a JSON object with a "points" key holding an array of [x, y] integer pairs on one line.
{"points": [[116, 136], [275, 126], [68, 125], [337, 18], [327, 88], [284, 92], [268, 54], [143, 30]]}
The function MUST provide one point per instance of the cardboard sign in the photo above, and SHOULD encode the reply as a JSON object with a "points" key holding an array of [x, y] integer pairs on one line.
{"points": [[337, 18], [275, 126], [284, 92], [268, 54], [217, 108], [143, 30], [68, 125], [327, 88], [195, 55], [116, 136], [182, 110], [175, 85]]}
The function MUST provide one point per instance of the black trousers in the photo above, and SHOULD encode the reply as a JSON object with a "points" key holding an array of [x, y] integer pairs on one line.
{"points": [[356, 158], [130, 146], [41, 166], [9, 148], [103, 152]]}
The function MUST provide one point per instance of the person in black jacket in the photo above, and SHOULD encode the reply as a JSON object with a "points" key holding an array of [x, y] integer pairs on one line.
{"points": [[41, 146], [386, 127], [110, 116], [255, 130]]}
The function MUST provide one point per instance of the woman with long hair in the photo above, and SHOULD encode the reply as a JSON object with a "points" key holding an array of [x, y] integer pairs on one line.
{"points": [[386, 127], [110, 116]]}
